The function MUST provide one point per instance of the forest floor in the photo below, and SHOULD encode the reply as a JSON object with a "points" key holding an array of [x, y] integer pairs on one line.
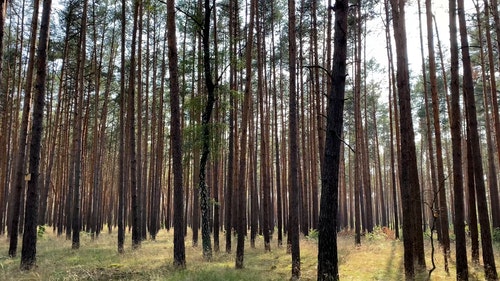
{"points": [[377, 258]]}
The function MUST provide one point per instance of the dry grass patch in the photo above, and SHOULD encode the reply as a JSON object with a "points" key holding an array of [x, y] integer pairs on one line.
{"points": [[378, 258]]}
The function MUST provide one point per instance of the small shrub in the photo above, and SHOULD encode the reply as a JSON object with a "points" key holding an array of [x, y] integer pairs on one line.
{"points": [[313, 235], [496, 235], [41, 231]]}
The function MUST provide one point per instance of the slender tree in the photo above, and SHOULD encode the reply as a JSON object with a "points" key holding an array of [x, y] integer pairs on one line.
{"points": [[28, 252], [206, 136], [78, 133], [245, 120], [456, 139], [494, 194], [121, 148], [132, 150], [409, 181], [175, 132], [293, 161], [15, 195], [471, 115], [327, 225], [443, 208]]}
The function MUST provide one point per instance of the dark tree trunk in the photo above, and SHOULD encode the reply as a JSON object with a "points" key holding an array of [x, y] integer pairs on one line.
{"points": [[494, 194], [456, 139], [240, 246], [410, 188], [175, 127], [327, 226], [15, 196], [470, 105], [132, 153], [443, 208], [121, 149], [28, 252], [206, 136], [392, 112], [293, 160], [228, 203], [78, 133]]}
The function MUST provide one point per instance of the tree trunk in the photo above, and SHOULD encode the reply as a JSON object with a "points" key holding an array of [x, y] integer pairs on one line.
{"points": [[121, 149], [443, 208], [15, 197], [245, 118], [494, 196], [132, 151], [469, 100], [410, 187], [456, 139], [176, 136], [293, 160], [28, 252], [327, 226]]}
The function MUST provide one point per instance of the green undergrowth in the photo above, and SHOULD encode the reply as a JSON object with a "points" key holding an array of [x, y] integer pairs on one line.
{"points": [[379, 257]]}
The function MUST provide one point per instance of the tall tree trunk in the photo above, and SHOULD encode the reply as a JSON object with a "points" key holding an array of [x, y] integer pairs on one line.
{"points": [[15, 196], [279, 195], [443, 208], [121, 149], [494, 195], [206, 136], [470, 105], [264, 170], [410, 187], [432, 193], [132, 152], [456, 139], [175, 132], [245, 120], [28, 252], [78, 133], [228, 206], [494, 104], [392, 112], [327, 227], [293, 160]]}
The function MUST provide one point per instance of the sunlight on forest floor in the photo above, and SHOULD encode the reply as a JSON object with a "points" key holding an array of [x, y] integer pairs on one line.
{"points": [[378, 258]]}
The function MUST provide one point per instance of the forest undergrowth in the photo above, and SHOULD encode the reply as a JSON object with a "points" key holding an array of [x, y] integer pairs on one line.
{"points": [[379, 257]]}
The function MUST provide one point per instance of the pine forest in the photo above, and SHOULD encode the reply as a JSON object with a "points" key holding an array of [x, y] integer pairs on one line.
{"points": [[249, 140]]}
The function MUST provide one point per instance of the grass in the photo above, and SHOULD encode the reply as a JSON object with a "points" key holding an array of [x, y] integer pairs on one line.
{"points": [[377, 258]]}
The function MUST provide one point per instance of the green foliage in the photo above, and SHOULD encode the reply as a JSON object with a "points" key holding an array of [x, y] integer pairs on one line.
{"points": [[40, 231], [313, 235], [376, 234], [496, 235]]}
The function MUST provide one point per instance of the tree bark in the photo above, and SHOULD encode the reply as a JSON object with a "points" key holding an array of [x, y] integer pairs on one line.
{"points": [[28, 252], [327, 225], [409, 181], [15, 196], [293, 160], [245, 118], [469, 100], [176, 136]]}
